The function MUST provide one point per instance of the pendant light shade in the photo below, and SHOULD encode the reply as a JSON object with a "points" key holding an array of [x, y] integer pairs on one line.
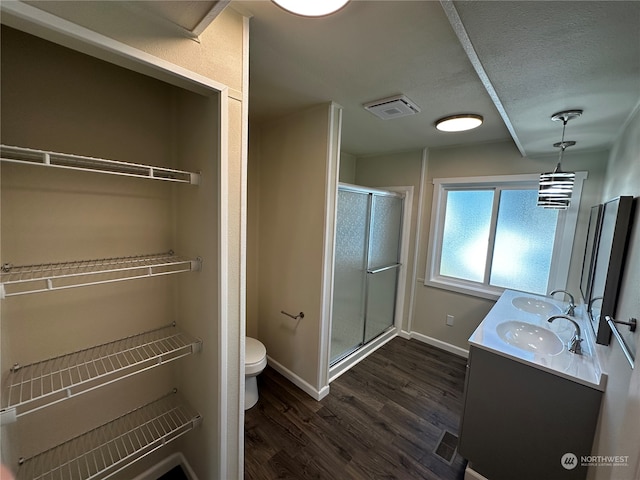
{"points": [[556, 187], [311, 8]]}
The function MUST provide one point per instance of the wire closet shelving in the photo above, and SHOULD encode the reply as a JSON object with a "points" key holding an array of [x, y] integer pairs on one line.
{"points": [[28, 388], [108, 449], [20, 280], [112, 447], [31, 156]]}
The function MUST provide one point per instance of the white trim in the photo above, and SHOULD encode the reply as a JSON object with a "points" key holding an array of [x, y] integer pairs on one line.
{"points": [[209, 17], [404, 334], [347, 363], [565, 231], [418, 234], [401, 287], [471, 474], [490, 293], [329, 241], [461, 32], [243, 232], [165, 465], [317, 394], [223, 291], [461, 352], [483, 181]]}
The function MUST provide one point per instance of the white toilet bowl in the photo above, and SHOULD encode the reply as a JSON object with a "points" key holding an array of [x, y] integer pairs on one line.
{"points": [[254, 363]]}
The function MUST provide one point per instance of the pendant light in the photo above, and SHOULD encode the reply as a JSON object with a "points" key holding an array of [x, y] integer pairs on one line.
{"points": [[556, 187]]}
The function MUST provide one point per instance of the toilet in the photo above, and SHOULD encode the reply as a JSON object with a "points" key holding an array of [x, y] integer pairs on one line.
{"points": [[255, 361]]}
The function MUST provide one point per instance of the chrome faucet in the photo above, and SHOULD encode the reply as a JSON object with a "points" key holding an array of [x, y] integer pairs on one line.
{"points": [[572, 303], [574, 343]]}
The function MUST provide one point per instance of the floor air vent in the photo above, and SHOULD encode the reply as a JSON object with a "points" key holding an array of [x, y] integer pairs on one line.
{"points": [[447, 447], [392, 107]]}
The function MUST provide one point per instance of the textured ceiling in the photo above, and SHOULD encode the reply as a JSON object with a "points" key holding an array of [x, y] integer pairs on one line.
{"points": [[553, 56], [539, 57], [514, 62], [191, 15], [369, 50]]}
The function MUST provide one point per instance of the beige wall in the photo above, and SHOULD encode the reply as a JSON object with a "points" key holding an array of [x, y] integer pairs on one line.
{"points": [[292, 158], [219, 56], [618, 432], [253, 222], [398, 169], [433, 304], [347, 168], [51, 215]]}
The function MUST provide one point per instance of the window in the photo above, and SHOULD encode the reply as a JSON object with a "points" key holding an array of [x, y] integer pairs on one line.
{"points": [[487, 234]]}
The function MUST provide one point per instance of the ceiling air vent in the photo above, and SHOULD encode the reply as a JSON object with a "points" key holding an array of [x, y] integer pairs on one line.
{"points": [[392, 107]]}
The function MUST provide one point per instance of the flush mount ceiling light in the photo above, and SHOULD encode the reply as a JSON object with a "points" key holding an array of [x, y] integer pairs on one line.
{"points": [[459, 123], [556, 187], [311, 8]]}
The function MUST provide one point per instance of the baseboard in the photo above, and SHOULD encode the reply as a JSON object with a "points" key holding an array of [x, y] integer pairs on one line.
{"points": [[324, 391], [166, 465], [471, 474], [461, 352], [404, 334], [297, 381]]}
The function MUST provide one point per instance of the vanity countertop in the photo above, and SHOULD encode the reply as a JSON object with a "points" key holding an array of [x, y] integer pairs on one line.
{"points": [[584, 369]]}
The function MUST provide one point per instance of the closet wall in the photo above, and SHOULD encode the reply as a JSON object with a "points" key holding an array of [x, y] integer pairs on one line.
{"points": [[60, 100]]}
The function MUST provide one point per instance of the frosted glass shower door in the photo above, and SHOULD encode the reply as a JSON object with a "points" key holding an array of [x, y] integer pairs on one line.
{"points": [[349, 273], [383, 264]]}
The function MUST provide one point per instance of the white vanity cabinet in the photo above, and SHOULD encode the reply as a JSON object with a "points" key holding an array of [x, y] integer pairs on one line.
{"points": [[519, 422]]}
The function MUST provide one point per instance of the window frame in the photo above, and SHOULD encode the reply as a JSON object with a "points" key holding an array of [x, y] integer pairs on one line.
{"points": [[563, 242]]}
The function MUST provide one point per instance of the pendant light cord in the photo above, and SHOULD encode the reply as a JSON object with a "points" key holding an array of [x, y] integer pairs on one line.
{"points": [[562, 144]]}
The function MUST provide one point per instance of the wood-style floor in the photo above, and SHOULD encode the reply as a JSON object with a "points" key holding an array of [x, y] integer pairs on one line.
{"points": [[383, 419]]}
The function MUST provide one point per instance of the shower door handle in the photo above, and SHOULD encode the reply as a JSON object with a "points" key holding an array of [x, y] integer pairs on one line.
{"points": [[382, 269]]}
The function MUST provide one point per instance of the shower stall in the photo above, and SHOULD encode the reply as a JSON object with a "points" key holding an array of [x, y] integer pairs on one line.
{"points": [[366, 267]]}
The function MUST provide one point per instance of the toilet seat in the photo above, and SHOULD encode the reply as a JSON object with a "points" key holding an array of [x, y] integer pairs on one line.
{"points": [[255, 356]]}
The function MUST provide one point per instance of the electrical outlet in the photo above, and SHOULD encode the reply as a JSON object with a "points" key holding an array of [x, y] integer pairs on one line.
{"points": [[450, 320]]}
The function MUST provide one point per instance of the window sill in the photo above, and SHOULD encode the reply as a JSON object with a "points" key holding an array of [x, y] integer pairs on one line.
{"points": [[490, 293]]}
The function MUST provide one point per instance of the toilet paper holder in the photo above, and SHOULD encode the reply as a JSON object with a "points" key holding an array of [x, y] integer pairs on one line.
{"points": [[295, 317]]}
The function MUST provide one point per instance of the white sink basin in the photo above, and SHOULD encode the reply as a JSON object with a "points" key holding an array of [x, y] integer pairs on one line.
{"points": [[530, 337], [533, 305]]}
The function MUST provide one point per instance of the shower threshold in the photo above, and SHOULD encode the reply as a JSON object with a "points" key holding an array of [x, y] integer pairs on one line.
{"points": [[359, 353]]}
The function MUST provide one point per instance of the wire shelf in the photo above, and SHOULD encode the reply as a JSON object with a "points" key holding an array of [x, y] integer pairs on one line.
{"points": [[28, 388], [20, 280], [110, 448], [46, 158]]}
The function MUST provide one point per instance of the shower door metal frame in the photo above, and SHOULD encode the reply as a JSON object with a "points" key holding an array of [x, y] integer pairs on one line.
{"points": [[370, 224]]}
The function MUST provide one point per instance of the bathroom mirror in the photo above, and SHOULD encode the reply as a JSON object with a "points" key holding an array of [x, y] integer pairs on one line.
{"points": [[593, 231], [608, 262]]}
